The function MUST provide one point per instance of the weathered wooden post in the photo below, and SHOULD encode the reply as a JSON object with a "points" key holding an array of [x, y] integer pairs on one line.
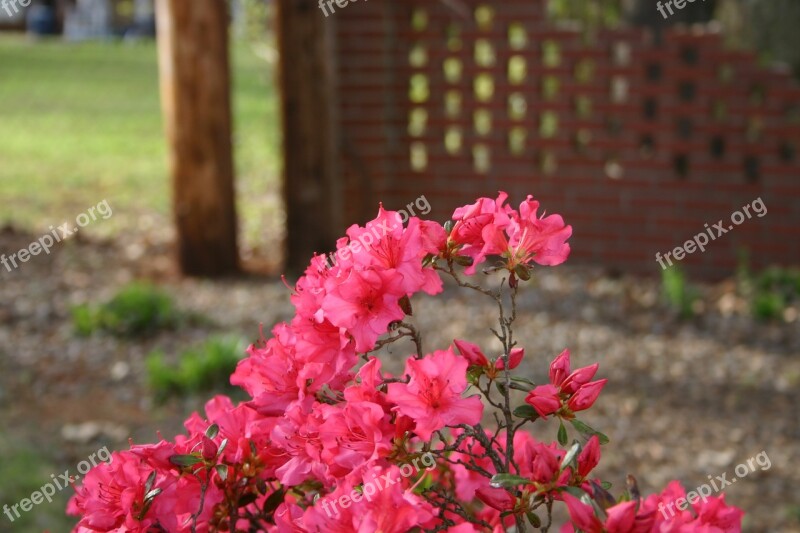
{"points": [[311, 189], [195, 94]]}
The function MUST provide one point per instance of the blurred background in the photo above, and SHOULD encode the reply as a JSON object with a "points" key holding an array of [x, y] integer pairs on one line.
{"points": [[230, 140]]}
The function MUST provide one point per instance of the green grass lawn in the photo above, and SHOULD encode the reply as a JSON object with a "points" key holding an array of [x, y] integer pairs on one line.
{"points": [[80, 123]]}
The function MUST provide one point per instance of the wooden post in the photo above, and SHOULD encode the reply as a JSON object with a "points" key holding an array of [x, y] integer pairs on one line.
{"points": [[195, 94], [312, 191]]}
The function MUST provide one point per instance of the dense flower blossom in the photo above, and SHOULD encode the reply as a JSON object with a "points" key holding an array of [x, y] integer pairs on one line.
{"points": [[432, 397], [528, 238], [323, 445]]}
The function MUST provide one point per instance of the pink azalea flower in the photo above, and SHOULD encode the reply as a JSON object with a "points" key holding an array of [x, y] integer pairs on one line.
{"points": [[297, 434], [478, 224], [432, 398], [526, 238], [270, 373], [581, 514], [365, 304], [352, 436], [385, 245]]}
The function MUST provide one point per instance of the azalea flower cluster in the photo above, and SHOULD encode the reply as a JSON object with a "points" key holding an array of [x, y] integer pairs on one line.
{"points": [[325, 422]]}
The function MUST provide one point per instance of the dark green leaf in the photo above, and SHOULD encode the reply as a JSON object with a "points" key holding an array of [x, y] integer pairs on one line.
{"points": [[525, 381], [273, 501], [603, 498], [522, 272], [405, 305], [222, 472], [151, 494], [534, 519], [585, 429], [212, 431], [526, 411], [509, 481], [463, 260], [185, 460], [562, 434], [247, 499]]}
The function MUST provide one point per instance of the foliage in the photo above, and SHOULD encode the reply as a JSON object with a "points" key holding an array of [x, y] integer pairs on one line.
{"points": [[775, 289], [677, 291], [325, 424], [24, 471], [204, 368], [136, 310]]}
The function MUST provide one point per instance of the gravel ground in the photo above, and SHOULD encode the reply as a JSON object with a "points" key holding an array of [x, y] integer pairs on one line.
{"points": [[685, 399]]}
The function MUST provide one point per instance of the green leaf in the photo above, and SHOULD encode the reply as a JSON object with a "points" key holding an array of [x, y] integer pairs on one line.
{"points": [[463, 260], [602, 497], [606, 485], [212, 431], [150, 480], [247, 498], [585, 429], [534, 519], [509, 481], [405, 305], [185, 460], [562, 434], [522, 272], [526, 411], [151, 494], [273, 501], [222, 446], [524, 381], [222, 472], [501, 387], [571, 454]]}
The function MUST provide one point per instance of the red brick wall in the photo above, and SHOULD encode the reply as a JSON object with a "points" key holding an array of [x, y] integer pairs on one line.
{"points": [[638, 144]]}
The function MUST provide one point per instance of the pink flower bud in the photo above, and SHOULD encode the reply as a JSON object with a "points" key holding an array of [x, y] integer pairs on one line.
{"points": [[514, 359], [472, 353], [559, 368], [586, 396], [580, 377], [544, 399]]}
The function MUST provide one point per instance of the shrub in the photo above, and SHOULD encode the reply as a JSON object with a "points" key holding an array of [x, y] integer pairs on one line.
{"points": [[325, 425], [204, 368], [677, 292], [138, 309]]}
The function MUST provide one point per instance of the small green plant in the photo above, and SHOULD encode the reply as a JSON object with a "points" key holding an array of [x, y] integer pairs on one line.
{"points": [[200, 369], [137, 310], [24, 470], [775, 289], [677, 292]]}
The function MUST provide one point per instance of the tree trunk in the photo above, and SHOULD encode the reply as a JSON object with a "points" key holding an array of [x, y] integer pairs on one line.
{"points": [[311, 188], [195, 94]]}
